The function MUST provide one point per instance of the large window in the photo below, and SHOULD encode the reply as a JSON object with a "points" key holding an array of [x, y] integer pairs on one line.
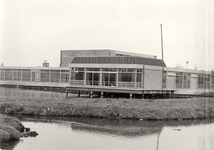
{"points": [[164, 79], [109, 79], [26, 75], [8, 74], [182, 80], [109, 76], [126, 77], [17, 74], [203, 81], [212, 79], [200, 81], [92, 76], [77, 76], [206, 81], [2, 72], [186, 80], [45, 75], [64, 76], [55, 75]]}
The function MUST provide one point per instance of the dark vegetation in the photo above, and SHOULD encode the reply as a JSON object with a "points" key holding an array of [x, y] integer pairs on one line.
{"points": [[12, 129]]}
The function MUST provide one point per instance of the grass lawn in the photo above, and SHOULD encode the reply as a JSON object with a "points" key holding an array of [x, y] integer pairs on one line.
{"points": [[158, 109]]}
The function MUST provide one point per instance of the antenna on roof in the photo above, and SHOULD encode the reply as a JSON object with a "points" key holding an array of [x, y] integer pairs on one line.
{"points": [[161, 40]]}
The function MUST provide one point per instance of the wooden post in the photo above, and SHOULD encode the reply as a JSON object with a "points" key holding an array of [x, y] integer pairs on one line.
{"points": [[130, 96]]}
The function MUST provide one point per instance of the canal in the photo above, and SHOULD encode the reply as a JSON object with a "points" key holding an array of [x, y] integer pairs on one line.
{"points": [[109, 134]]}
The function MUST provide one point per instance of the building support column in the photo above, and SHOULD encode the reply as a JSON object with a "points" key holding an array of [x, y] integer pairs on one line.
{"points": [[130, 96], [91, 94], [101, 94], [66, 93], [78, 93], [170, 94]]}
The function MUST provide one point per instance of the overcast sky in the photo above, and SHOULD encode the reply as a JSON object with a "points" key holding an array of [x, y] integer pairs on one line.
{"points": [[32, 31]]}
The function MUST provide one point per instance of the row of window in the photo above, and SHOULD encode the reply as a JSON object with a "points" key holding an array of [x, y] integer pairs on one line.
{"points": [[54, 76], [93, 75], [106, 76], [183, 80], [106, 69], [25, 75]]}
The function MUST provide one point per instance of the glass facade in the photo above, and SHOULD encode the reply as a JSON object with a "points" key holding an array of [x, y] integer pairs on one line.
{"points": [[110, 77], [115, 77], [183, 80]]}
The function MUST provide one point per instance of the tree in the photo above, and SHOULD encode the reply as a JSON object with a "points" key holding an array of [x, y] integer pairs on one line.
{"points": [[179, 66], [2, 65]]}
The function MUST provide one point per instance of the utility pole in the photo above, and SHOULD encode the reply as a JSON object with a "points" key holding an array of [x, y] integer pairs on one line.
{"points": [[161, 40]]}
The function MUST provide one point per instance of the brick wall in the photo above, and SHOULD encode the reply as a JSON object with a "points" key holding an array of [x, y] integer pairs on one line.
{"points": [[152, 79], [68, 55]]}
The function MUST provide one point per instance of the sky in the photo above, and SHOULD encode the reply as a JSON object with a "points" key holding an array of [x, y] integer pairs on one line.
{"points": [[32, 31]]}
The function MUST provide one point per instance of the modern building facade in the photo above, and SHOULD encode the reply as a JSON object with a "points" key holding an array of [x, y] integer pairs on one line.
{"points": [[108, 71]]}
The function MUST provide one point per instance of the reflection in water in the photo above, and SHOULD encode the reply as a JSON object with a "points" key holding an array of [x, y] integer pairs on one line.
{"points": [[92, 133], [18, 92], [116, 127]]}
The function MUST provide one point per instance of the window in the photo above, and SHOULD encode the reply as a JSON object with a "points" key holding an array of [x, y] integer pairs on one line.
{"points": [[17, 74], [182, 80], [2, 73], [92, 78], [26, 75], [55, 75], [8, 74], [64, 76], [45, 75]]}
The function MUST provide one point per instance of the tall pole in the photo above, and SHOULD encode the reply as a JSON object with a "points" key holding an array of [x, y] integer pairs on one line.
{"points": [[161, 41]]}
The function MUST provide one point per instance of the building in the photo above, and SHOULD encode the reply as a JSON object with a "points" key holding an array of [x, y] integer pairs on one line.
{"points": [[66, 56], [106, 72]]}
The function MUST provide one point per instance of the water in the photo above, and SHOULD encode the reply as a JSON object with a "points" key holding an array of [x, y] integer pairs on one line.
{"points": [[107, 134], [95, 134]]}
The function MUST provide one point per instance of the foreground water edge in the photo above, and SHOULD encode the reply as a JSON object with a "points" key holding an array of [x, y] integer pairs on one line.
{"points": [[94, 133]]}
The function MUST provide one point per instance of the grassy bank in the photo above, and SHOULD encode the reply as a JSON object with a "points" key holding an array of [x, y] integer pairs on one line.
{"points": [[10, 128], [111, 108]]}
